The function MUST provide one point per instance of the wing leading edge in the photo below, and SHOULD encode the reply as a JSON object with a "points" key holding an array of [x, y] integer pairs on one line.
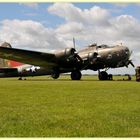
{"points": [[28, 57]]}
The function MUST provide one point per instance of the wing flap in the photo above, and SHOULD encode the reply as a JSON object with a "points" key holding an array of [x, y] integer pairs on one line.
{"points": [[28, 57]]}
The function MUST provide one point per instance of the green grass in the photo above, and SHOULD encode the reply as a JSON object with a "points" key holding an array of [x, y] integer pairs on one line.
{"points": [[41, 107]]}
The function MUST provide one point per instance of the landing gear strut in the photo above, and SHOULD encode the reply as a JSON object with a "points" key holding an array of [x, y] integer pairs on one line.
{"points": [[105, 76], [76, 75]]}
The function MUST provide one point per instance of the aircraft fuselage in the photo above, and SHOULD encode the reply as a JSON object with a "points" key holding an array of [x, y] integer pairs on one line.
{"points": [[98, 57]]}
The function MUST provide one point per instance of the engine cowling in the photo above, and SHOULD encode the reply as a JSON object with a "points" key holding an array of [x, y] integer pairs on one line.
{"points": [[66, 53], [92, 57]]}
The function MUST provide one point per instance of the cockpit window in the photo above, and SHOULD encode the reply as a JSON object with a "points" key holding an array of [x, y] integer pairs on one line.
{"points": [[100, 46], [93, 45], [103, 46]]}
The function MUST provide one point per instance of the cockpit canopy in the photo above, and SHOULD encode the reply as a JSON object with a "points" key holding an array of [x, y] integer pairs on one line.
{"points": [[100, 46], [103, 46], [93, 45]]}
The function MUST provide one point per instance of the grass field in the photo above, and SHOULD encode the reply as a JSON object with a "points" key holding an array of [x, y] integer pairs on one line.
{"points": [[41, 107]]}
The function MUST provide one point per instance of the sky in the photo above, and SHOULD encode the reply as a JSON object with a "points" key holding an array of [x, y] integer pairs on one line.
{"points": [[49, 27]]}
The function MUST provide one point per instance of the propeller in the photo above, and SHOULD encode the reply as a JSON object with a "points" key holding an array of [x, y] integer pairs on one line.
{"points": [[131, 63], [75, 55], [74, 42]]}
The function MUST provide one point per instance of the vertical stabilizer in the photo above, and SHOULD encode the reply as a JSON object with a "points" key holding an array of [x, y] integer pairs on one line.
{"points": [[8, 63], [4, 62]]}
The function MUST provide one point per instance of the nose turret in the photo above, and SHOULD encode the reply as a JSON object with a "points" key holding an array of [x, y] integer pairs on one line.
{"points": [[127, 51], [127, 55]]}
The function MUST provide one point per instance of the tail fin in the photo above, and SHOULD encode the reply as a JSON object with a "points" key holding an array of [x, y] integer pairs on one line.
{"points": [[6, 45], [3, 62], [8, 63]]}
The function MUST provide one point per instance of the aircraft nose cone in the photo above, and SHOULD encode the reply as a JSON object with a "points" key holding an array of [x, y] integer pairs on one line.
{"points": [[127, 51]]}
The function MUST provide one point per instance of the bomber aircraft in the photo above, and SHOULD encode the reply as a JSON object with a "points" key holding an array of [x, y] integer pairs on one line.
{"points": [[94, 57]]}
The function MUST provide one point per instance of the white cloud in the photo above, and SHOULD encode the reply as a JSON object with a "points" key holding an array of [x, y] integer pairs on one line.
{"points": [[87, 26], [87, 16], [66, 10], [29, 34], [69, 30]]}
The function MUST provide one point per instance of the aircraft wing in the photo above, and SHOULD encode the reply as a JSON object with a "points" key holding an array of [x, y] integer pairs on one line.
{"points": [[28, 57]]}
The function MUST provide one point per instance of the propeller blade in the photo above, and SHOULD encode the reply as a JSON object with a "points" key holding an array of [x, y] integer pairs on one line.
{"points": [[131, 52], [74, 54], [130, 62], [74, 43], [77, 56]]}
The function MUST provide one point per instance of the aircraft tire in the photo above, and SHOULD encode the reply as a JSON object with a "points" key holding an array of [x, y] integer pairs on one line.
{"points": [[20, 78], [103, 75], [76, 75], [55, 75], [110, 77]]}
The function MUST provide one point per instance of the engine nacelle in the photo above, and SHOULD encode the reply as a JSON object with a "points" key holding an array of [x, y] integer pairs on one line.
{"points": [[65, 53], [92, 57]]}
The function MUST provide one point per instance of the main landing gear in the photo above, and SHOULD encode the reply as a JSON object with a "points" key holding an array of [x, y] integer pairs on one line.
{"points": [[55, 74], [103, 75], [76, 75], [20, 78]]}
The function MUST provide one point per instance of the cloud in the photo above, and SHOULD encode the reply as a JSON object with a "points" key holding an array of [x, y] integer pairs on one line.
{"points": [[69, 12], [29, 34], [86, 25], [66, 10], [69, 30]]}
